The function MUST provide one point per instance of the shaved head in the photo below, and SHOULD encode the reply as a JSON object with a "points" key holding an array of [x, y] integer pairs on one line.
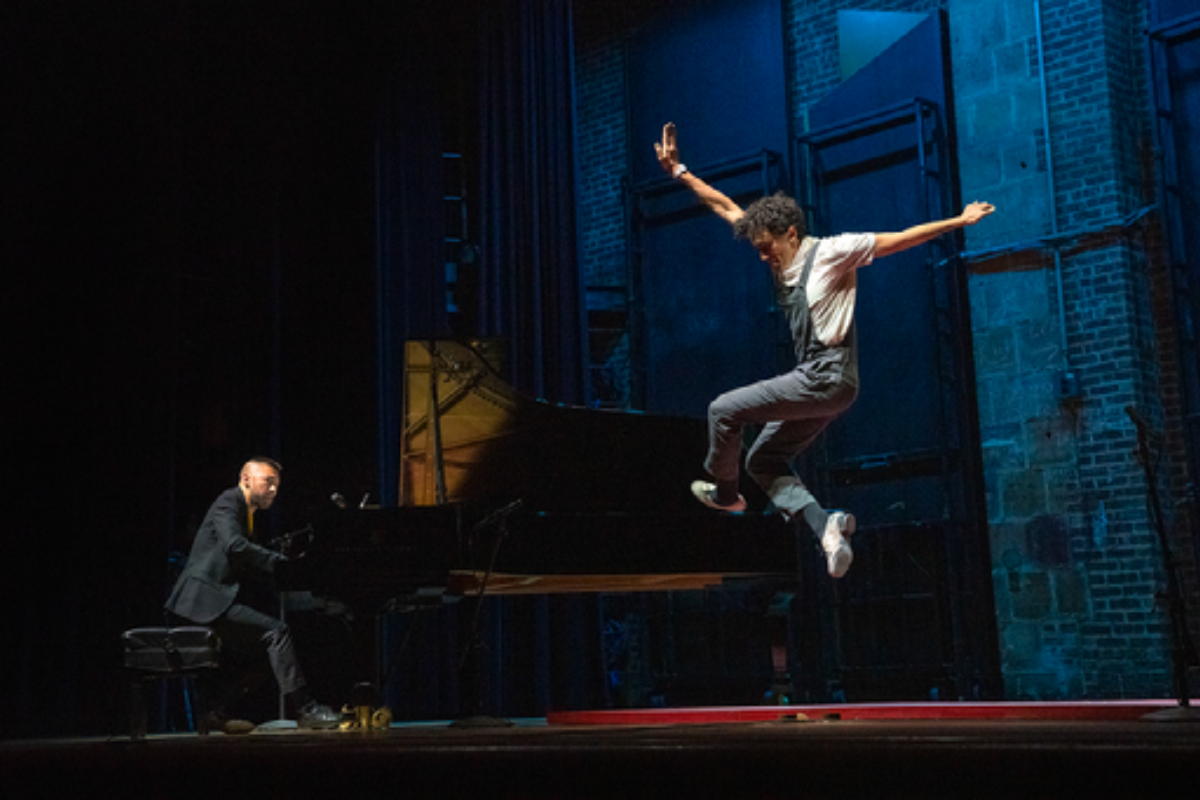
{"points": [[259, 482]]}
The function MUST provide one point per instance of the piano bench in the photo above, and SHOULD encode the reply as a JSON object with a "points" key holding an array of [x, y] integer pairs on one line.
{"points": [[154, 655]]}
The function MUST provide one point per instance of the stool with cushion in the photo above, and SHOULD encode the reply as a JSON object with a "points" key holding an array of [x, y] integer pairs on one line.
{"points": [[156, 654]]}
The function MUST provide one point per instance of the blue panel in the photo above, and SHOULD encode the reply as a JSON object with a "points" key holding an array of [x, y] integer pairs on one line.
{"points": [[899, 404], [872, 182], [863, 35], [1182, 163], [1164, 11], [708, 300], [1185, 100], [912, 67], [715, 68]]}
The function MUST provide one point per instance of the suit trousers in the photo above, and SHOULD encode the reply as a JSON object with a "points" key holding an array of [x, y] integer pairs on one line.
{"points": [[248, 629]]}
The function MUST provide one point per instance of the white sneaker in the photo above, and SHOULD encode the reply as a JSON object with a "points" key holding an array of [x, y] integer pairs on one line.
{"points": [[707, 493], [836, 543]]}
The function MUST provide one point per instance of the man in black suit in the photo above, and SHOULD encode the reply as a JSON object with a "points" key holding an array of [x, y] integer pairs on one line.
{"points": [[227, 580]]}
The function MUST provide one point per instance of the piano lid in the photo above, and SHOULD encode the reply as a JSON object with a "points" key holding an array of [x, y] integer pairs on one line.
{"points": [[496, 444]]}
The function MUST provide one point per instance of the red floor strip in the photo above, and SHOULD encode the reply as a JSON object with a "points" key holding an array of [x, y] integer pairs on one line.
{"points": [[1106, 710]]}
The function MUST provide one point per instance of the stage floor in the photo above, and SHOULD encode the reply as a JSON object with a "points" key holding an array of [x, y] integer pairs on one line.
{"points": [[890, 750]]}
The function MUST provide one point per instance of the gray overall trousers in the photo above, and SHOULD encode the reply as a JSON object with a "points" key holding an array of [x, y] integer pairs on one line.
{"points": [[792, 408]]}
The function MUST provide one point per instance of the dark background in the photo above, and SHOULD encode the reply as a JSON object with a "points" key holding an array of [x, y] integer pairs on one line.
{"points": [[189, 237], [189, 262]]}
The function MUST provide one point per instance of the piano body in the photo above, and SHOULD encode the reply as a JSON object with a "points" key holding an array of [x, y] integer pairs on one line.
{"points": [[504, 494]]}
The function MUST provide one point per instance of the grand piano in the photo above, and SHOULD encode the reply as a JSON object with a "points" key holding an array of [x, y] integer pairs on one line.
{"points": [[501, 493], [504, 494]]}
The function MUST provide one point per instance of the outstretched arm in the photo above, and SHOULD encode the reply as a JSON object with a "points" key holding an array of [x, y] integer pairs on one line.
{"points": [[668, 157], [888, 243], [231, 538]]}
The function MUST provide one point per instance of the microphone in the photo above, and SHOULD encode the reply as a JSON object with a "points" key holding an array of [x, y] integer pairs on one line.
{"points": [[1143, 425], [499, 514], [338, 499]]}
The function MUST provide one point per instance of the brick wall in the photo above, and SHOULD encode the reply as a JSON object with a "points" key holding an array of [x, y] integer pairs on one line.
{"points": [[1076, 563], [600, 69], [604, 159]]}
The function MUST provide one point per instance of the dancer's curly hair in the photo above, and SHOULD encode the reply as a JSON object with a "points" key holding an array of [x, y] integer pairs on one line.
{"points": [[774, 214]]}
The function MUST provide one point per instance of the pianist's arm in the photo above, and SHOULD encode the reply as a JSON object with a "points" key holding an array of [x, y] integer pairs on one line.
{"points": [[230, 534]]}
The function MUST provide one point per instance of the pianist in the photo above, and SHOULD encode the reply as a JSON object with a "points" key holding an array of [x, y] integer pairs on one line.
{"points": [[226, 584], [815, 281]]}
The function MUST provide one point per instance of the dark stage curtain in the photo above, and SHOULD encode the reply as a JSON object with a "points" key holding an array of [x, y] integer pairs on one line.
{"points": [[540, 652], [532, 298], [531, 295], [410, 226]]}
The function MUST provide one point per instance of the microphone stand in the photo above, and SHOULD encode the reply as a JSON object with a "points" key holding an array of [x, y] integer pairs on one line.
{"points": [[470, 665], [1183, 653]]}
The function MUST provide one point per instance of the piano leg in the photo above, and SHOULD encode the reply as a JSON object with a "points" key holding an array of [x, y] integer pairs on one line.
{"points": [[334, 656]]}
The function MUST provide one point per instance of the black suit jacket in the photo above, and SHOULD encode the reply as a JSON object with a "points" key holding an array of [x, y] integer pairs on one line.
{"points": [[222, 557]]}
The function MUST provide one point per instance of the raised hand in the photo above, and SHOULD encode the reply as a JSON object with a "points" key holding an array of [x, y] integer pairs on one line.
{"points": [[668, 149], [668, 158]]}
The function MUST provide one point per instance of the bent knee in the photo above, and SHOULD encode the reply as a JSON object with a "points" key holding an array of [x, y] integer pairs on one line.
{"points": [[723, 407]]}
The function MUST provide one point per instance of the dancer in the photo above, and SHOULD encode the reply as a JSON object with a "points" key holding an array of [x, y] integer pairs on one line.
{"points": [[816, 280]]}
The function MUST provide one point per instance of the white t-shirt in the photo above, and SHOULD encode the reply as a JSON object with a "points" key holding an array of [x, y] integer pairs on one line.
{"points": [[832, 284]]}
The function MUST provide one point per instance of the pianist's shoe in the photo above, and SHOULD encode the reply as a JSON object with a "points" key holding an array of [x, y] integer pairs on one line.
{"points": [[707, 493], [316, 716], [836, 543]]}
